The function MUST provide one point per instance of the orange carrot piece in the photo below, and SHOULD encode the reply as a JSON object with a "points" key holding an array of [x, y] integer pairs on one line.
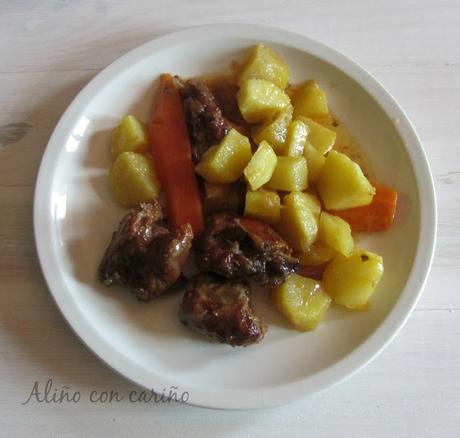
{"points": [[377, 216], [172, 152]]}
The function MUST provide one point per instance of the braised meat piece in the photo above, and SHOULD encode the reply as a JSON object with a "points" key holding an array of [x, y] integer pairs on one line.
{"points": [[220, 309], [205, 122], [235, 246], [144, 255]]}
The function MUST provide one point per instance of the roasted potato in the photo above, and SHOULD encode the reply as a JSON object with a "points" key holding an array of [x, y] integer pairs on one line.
{"points": [[133, 179], [129, 136], [296, 138], [309, 100], [259, 100], [290, 174], [320, 137], [264, 205], [302, 301], [274, 130], [315, 162], [225, 162], [351, 280], [317, 254], [342, 183], [299, 220], [261, 166], [336, 233], [264, 63]]}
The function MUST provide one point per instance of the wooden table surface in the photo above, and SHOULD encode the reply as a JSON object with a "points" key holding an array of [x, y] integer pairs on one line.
{"points": [[50, 49]]}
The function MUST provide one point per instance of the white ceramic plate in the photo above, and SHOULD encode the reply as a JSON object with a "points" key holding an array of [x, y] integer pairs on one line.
{"points": [[74, 216]]}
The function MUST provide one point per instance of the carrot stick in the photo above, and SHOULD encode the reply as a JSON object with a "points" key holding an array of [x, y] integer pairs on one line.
{"points": [[170, 145], [377, 216]]}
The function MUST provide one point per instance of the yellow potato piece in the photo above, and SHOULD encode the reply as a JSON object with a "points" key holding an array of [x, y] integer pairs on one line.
{"points": [[261, 166], [310, 100], [225, 162], [336, 233], [290, 174], [302, 301], [129, 136], [259, 100], [296, 138], [317, 254], [320, 137], [264, 63], [351, 280], [133, 179], [264, 205], [315, 163], [299, 220], [274, 130], [342, 183]]}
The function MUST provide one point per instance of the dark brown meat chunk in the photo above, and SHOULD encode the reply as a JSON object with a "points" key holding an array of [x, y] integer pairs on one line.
{"points": [[205, 122], [144, 255], [234, 247], [220, 309]]}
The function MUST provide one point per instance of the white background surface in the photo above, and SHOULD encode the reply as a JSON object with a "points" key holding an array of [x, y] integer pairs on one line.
{"points": [[50, 49]]}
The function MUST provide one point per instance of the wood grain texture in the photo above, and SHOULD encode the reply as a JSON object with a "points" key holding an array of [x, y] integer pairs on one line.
{"points": [[50, 49]]}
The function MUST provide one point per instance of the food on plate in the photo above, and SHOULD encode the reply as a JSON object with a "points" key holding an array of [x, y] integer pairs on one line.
{"points": [[264, 63], [144, 254], [133, 179], [376, 216], [205, 121], [290, 174], [302, 300], [244, 180], [259, 99], [309, 100], [274, 130], [221, 309], [171, 149], [320, 137], [264, 205], [224, 162], [351, 280], [261, 166], [335, 232], [299, 220], [342, 183], [239, 247], [129, 136]]}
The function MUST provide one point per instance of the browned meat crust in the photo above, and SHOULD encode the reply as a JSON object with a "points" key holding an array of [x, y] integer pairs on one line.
{"points": [[236, 247], [144, 254], [205, 122], [220, 309]]}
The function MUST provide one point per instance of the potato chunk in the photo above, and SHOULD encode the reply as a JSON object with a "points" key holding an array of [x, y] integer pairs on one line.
{"points": [[274, 130], [342, 183], [315, 163], [320, 137], [302, 301], [225, 162], [335, 232], [129, 136], [261, 166], [317, 254], [290, 174], [309, 100], [258, 100], [352, 280], [264, 205], [299, 220], [296, 138], [264, 63], [133, 179]]}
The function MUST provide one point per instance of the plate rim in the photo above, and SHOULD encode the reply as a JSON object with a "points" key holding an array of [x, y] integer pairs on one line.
{"points": [[276, 395]]}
